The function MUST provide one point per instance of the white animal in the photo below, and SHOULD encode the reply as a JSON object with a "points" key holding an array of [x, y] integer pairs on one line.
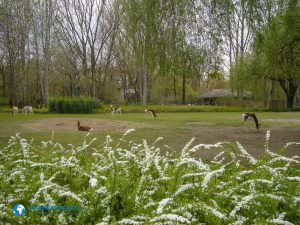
{"points": [[14, 110], [115, 110], [149, 113], [27, 109]]}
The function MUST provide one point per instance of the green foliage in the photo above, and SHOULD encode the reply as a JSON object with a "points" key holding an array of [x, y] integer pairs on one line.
{"points": [[276, 57], [72, 104], [185, 108], [124, 182], [4, 101], [278, 46]]}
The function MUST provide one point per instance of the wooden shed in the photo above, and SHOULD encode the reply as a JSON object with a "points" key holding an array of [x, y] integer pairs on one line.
{"points": [[213, 97]]}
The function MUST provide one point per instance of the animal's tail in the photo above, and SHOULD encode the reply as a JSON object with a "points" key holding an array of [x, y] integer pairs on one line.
{"points": [[91, 129], [256, 121]]}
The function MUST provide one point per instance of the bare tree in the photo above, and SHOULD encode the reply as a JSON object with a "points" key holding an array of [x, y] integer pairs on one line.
{"points": [[41, 41], [16, 19], [82, 26]]}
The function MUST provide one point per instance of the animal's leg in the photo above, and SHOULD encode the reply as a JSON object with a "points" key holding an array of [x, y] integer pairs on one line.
{"points": [[244, 118]]}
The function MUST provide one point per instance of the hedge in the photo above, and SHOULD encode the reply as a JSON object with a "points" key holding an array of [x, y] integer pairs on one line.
{"points": [[80, 104]]}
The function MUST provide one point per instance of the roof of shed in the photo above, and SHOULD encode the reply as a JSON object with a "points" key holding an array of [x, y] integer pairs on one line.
{"points": [[217, 93]]}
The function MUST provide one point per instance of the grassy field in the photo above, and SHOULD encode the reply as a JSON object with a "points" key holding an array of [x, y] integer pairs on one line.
{"points": [[129, 180], [176, 128]]}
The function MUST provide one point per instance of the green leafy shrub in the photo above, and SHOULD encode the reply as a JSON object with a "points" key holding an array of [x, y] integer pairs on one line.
{"points": [[4, 100], [184, 108], [135, 183], [72, 104]]}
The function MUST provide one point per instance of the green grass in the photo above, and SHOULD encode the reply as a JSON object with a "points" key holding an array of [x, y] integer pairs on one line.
{"points": [[166, 125]]}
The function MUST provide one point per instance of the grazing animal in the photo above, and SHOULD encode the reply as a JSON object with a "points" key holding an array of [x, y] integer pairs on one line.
{"points": [[245, 116], [83, 128], [27, 109], [150, 113], [115, 110], [14, 110]]}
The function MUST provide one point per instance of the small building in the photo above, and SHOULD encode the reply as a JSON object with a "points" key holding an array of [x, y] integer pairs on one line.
{"points": [[215, 96]]}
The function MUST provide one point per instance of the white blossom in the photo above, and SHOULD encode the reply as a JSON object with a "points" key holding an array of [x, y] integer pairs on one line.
{"points": [[93, 182], [171, 217]]}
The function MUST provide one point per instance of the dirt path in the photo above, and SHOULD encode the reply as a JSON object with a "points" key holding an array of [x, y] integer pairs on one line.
{"points": [[70, 125], [283, 120], [252, 140]]}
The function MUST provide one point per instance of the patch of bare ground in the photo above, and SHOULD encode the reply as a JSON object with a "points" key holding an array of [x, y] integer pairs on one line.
{"points": [[252, 140], [283, 120], [70, 125]]}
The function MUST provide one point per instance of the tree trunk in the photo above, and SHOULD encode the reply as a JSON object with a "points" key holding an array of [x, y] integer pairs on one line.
{"points": [[265, 93], [174, 86], [145, 78], [272, 90], [183, 89], [290, 101], [12, 88], [145, 87], [93, 71], [289, 87], [4, 84], [46, 83], [271, 94]]}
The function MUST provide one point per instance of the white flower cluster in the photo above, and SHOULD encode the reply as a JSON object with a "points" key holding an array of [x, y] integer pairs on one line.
{"points": [[160, 189]]}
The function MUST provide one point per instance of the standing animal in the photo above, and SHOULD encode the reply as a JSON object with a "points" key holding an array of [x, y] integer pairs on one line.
{"points": [[246, 116], [115, 110], [150, 113], [14, 110], [83, 128], [27, 109]]}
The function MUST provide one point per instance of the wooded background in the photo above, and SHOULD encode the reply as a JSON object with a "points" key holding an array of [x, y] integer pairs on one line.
{"points": [[149, 51]]}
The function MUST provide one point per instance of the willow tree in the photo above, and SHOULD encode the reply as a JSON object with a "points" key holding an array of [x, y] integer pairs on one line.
{"points": [[138, 29], [278, 49], [156, 34]]}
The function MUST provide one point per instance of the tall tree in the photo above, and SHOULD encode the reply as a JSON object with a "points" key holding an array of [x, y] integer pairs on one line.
{"points": [[42, 33], [82, 26], [278, 49], [16, 20]]}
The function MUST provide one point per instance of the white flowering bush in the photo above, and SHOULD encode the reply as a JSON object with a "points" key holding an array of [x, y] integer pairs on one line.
{"points": [[123, 182]]}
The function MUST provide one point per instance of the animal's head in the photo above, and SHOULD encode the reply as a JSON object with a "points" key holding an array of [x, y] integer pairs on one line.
{"points": [[146, 110], [78, 123]]}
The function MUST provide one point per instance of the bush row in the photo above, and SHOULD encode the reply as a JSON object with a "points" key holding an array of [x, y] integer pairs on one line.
{"points": [[72, 104], [4, 100], [183, 108]]}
